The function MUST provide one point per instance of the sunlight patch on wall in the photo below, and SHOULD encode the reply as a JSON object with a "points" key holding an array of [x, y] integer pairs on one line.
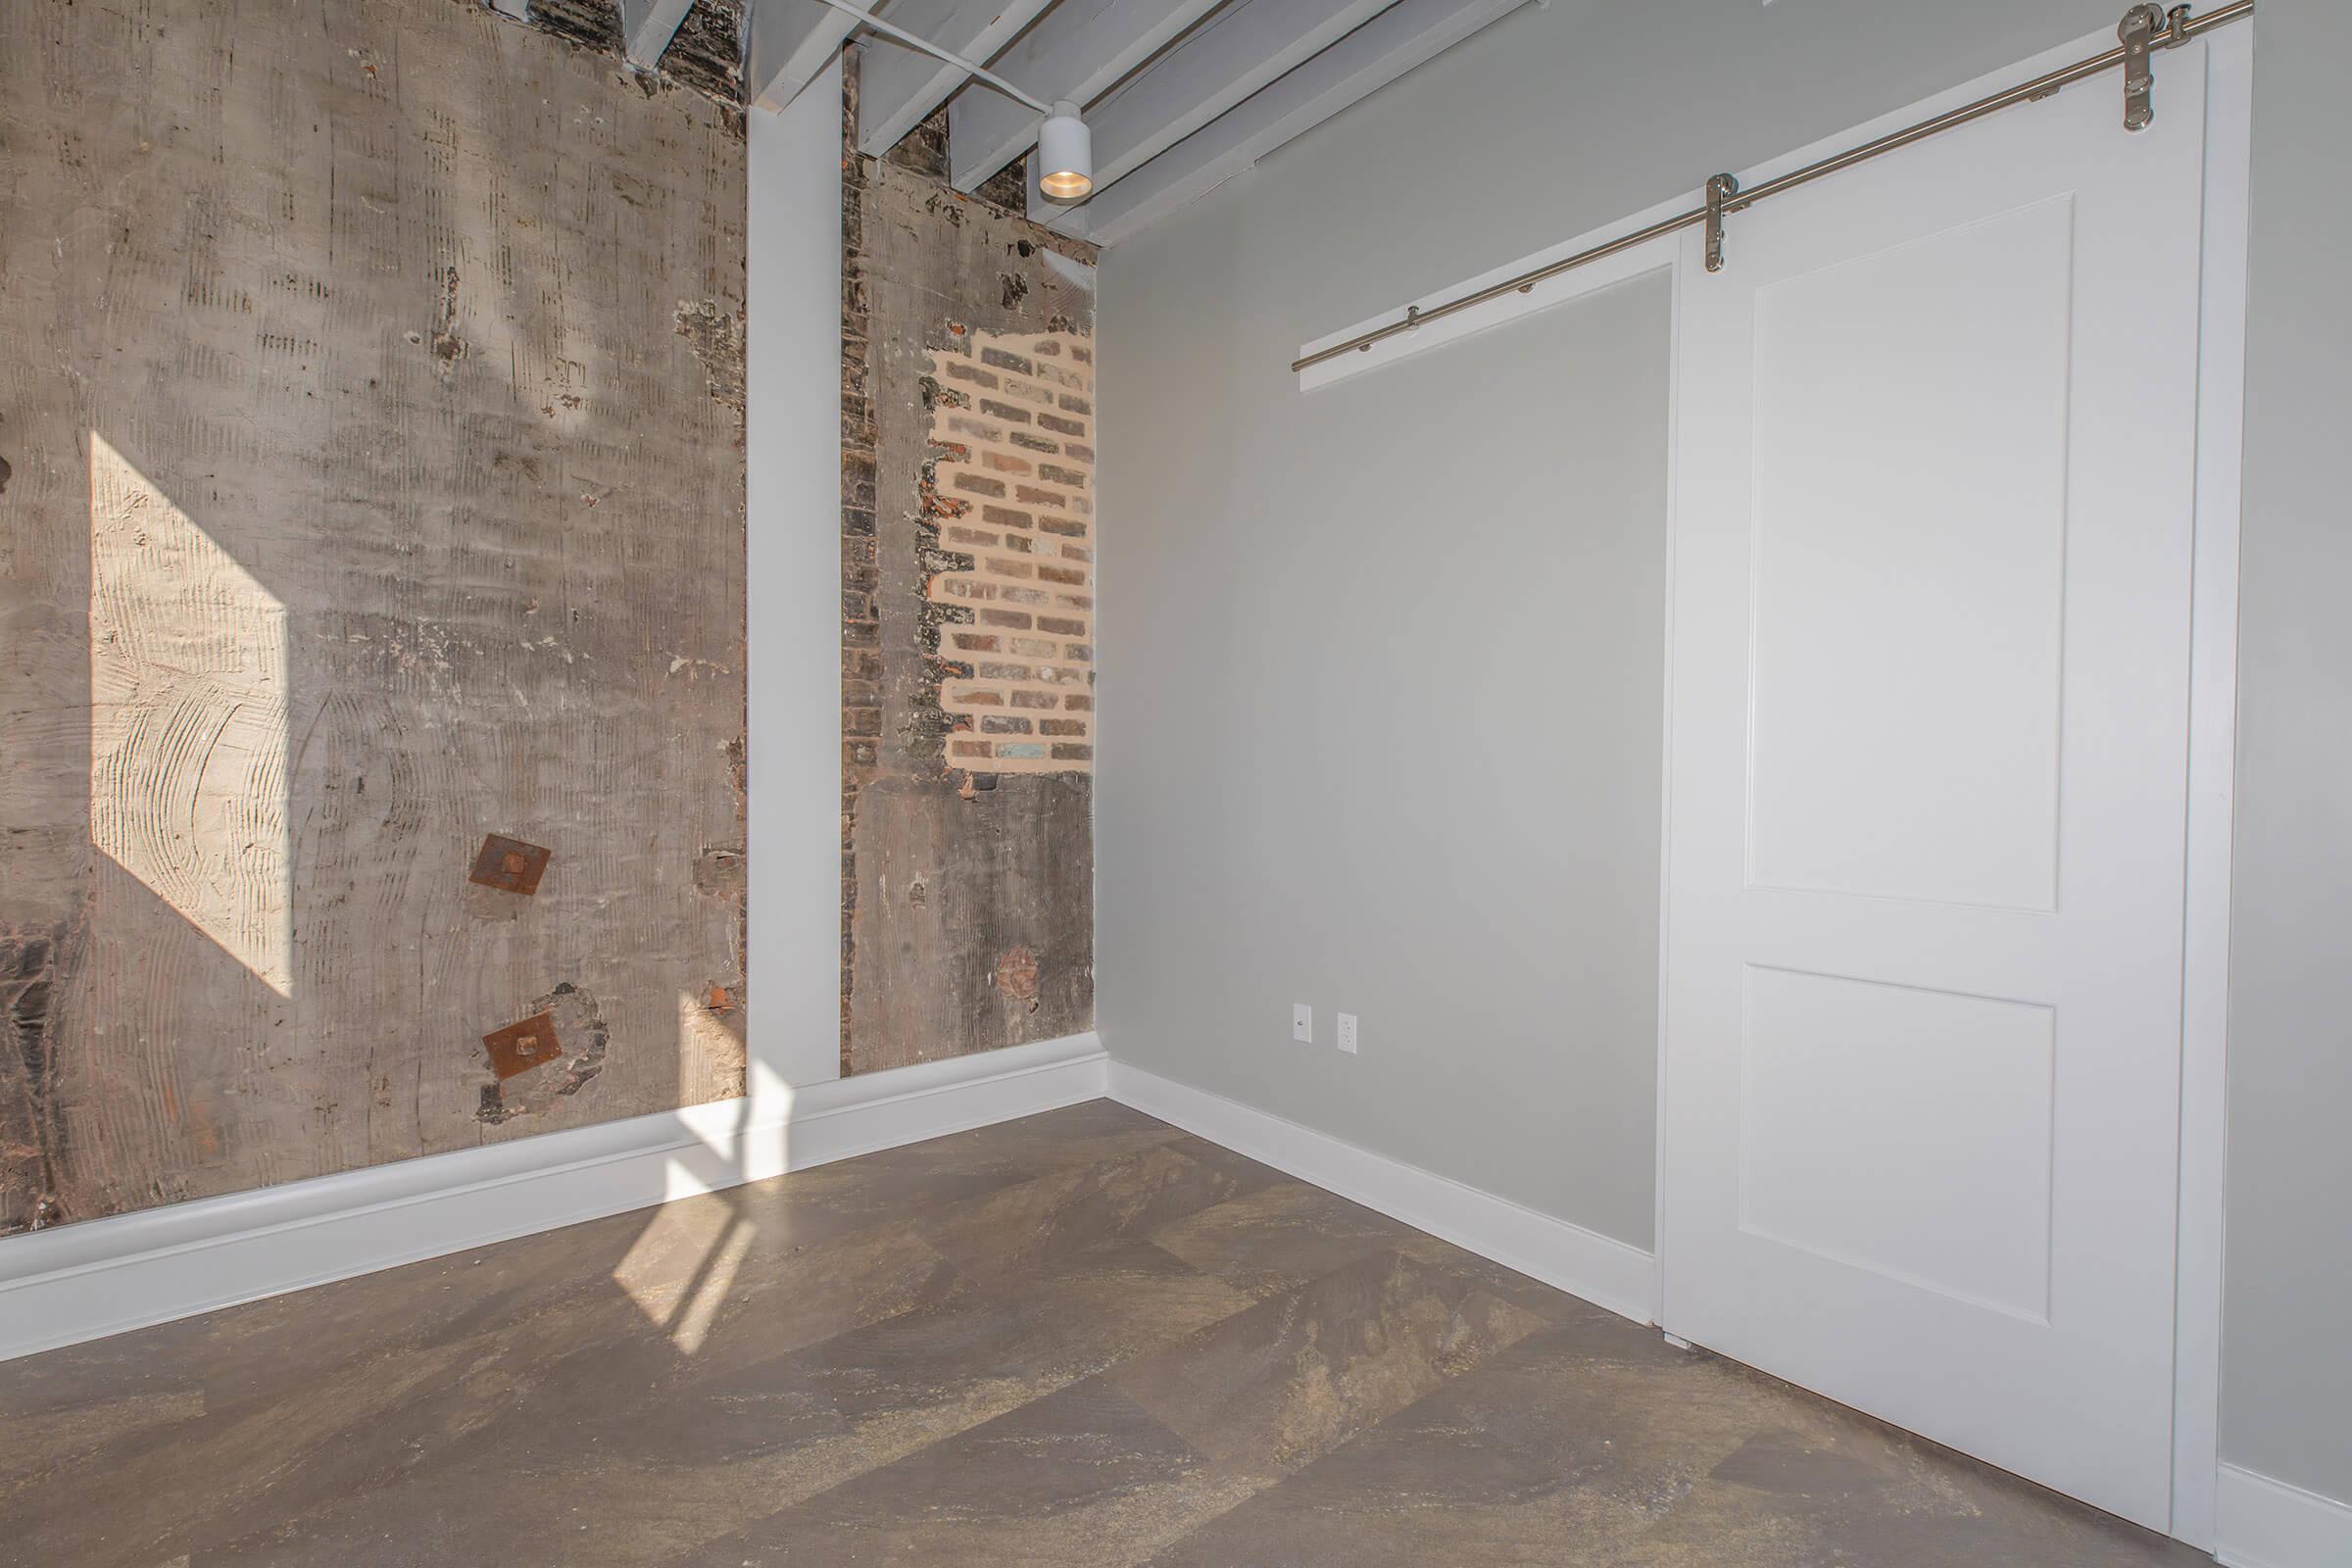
{"points": [[188, 672]]}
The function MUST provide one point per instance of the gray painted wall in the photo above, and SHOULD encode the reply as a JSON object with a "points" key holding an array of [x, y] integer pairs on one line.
{"points": [[1391, 740], [1352, 694], [2287, 1373]]}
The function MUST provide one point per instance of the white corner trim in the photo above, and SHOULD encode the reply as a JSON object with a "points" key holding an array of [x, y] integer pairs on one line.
{"points": [[105, 1276], [1585, 1263], [2260, 1523]]}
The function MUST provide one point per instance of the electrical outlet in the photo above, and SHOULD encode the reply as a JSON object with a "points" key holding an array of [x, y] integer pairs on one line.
{"points": [[1347, 1033], [1302, 1024]]}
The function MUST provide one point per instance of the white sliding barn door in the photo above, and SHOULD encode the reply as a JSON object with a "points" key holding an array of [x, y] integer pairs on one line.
{"points": [[1930, 684]]}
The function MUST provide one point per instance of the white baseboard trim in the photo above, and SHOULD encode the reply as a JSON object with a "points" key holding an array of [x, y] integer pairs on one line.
{"points": [[2260, 1523], [1584, 1263], [98, 1277]]}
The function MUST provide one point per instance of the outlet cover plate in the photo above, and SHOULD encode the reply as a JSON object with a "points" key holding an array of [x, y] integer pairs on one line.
{"points": [[1347, 1033]]}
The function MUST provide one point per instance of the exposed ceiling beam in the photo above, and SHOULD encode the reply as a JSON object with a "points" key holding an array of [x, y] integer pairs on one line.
{"points": [[1365, 61], [648, 26], [1239, 51], [792, 40], [897, 86], [1080, 53]]}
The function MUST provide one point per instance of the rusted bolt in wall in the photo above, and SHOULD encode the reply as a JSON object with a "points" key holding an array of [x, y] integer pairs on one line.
{"points": [[510, 864], [519, 1046]]}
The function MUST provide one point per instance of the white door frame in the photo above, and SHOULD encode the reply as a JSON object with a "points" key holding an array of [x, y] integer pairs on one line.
{"points": [[2212, 783], [2228, 55]]}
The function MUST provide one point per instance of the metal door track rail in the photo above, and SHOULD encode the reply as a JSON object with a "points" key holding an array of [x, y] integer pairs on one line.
{"points": [[2144, 29]]}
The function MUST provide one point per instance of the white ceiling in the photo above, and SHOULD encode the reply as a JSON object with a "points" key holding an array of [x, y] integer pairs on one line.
{"points": [[1180, 94]]}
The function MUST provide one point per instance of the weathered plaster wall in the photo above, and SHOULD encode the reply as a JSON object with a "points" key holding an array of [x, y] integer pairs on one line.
{"points": [[967, 882], [371, 481]]}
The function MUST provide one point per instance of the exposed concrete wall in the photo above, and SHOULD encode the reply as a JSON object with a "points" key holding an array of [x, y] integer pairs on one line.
{"points": [[372, 407], [968, 893]]}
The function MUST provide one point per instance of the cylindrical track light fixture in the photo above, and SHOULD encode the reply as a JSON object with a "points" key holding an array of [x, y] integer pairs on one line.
{"points": [[1065, 155]]}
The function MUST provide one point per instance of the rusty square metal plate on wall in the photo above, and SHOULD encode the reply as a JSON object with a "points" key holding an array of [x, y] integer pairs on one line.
{"points": [[510, 864], [521, 1047]]}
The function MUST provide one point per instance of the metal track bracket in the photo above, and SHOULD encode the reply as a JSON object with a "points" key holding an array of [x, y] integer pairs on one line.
{"points": [[1720, 189], [2139, 31]]}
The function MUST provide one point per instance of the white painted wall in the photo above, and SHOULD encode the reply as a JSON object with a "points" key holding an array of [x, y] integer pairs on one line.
{"points": [[793, 478]]}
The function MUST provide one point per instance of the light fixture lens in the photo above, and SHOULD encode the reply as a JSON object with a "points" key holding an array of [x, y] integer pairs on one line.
{"points": [[1065, 155]]}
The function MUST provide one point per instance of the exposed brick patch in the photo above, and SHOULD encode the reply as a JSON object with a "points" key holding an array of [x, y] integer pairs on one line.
{"points": [[1021, 557]]}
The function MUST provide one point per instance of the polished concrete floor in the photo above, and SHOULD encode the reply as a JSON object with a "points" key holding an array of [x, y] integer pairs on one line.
{"points": [[1080, 1339]]}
